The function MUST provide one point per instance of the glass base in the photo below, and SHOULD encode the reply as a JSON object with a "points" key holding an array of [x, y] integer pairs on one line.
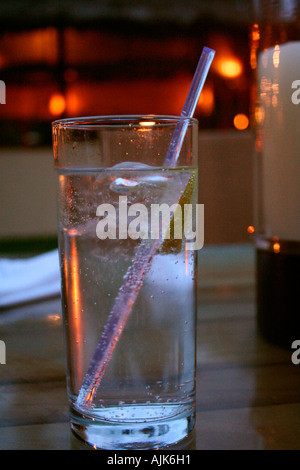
{"points": [[133, 432]]}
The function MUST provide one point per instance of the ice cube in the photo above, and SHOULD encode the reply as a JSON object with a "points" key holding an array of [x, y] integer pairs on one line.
{"points": [[123, 185], [126, 185], [132, 166]]}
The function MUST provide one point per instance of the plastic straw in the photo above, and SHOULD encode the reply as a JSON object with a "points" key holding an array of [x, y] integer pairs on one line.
{"points": [[189, 105], [133, 280]]}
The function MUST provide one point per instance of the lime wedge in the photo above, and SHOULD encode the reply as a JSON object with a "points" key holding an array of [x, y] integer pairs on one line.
{"points": [[174, 245]]}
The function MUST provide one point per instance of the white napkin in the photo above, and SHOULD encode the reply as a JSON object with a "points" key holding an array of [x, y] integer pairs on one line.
{"points": [[24, 280]]}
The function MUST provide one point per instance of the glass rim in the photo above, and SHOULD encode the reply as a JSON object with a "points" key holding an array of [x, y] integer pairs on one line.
{"points": [[119, 120]]}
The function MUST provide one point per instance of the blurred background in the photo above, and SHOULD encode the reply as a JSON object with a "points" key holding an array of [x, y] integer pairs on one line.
{"points": [[66, 58]]}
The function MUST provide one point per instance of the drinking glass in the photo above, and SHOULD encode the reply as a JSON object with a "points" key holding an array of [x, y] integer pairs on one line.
{"points": [[111, 179]]}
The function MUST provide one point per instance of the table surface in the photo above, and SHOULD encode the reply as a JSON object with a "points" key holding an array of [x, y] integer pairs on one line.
{"points": [[248, 391]]}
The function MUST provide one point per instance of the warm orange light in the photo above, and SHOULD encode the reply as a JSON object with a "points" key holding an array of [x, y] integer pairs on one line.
{"points": [[274, 101], [253, 61], [54, 317], [250, 229], [255, 33], [254, 45], [259, 141], [73, 103], [276, 247], [230, 68], [241, 122], [37, 46], [206, 102], [75, 300], [57, 104], [147, 123], [259, 115], [146, 126], [276, 55]]}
